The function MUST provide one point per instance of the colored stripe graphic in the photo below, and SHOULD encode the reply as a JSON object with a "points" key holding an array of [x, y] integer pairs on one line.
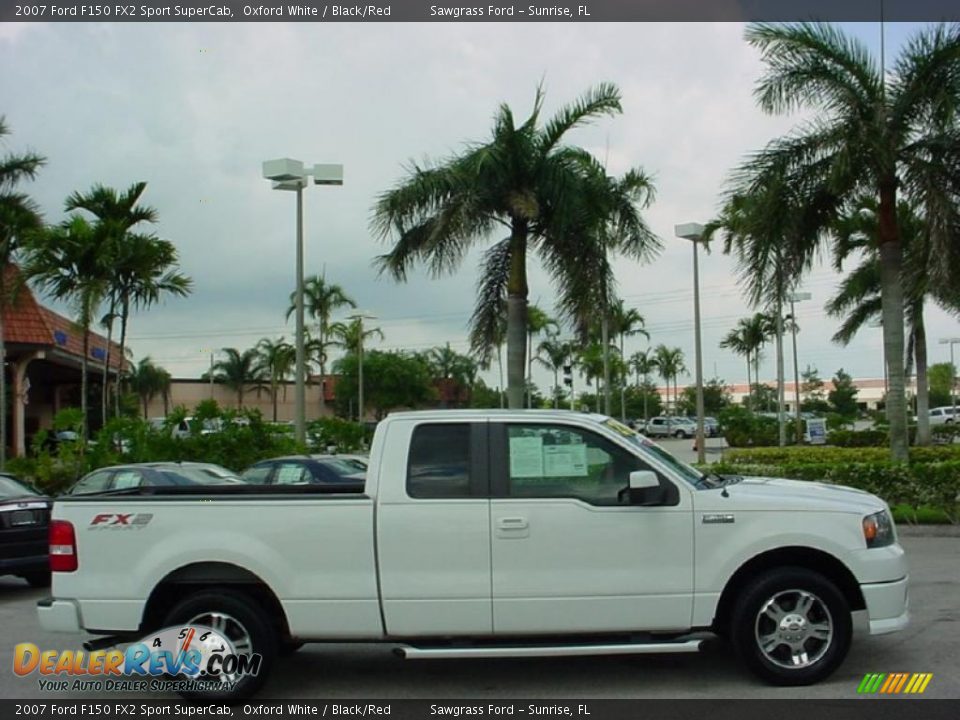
{"points": [[894, 683]]}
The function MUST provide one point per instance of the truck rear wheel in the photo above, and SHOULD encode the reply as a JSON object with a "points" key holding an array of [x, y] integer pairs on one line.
{"points": [[791, 626], [242, 621]]}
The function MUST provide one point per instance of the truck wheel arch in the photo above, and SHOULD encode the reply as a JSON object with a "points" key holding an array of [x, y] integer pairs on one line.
{"points": [[809, 558], [216, 576]]}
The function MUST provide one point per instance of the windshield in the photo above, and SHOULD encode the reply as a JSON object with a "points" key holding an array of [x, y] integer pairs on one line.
{"points": [[652, 450], [10, 488]]}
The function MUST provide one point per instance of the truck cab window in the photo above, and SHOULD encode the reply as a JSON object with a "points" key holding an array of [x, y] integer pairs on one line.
{"points": [[439, 462], [555, 461]]}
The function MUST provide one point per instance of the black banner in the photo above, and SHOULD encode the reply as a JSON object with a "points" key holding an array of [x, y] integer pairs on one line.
{"points": [[453, 11], [872, 709]]}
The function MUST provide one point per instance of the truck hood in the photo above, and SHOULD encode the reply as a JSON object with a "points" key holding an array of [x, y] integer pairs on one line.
{"points": [[765, 493]]}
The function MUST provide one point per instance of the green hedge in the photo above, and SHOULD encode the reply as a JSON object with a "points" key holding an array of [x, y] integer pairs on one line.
{"points": [[830, 454], [934, 485]]}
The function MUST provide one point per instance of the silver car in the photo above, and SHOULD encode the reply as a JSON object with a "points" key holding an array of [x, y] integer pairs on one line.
{"points": [[670, 426]]}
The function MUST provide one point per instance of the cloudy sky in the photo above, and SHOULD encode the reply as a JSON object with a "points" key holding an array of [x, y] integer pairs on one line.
{"points": [[193, 109]]}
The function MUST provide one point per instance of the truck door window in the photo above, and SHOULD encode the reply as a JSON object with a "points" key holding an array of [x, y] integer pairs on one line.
{"points": [[559, 461], [439, 461]]}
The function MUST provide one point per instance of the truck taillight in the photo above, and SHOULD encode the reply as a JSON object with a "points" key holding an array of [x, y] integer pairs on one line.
{"points": [[63, 546]]}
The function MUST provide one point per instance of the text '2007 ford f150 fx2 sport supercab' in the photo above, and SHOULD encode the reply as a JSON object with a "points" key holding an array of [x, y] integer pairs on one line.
{"points": [[491, 534]]}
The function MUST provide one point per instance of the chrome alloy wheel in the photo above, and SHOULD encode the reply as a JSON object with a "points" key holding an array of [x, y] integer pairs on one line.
{"points": [[794, 629], [232, 630]]}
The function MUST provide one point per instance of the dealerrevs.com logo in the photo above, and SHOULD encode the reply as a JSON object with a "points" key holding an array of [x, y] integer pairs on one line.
{"points": [[184, 658]]}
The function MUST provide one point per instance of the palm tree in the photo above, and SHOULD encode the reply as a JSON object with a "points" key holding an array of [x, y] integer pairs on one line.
{"points": [[239, 371], [738, 341], [147, 381], [553, 353], [625, 323], [858, 299], [320, 300], [643, 364], [353, 334], [277, 361], [590, 358], [541, 191], [493, 334], [537, 322], [19, 216], [669, 361], [885, 131], [117, 213], [67, 262]]}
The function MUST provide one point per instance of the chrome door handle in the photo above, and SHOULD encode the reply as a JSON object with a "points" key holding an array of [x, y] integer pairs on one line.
{"points": [[512, 523]]}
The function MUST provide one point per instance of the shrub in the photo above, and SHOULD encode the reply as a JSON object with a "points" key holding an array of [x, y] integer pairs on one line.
{"points": [[742, 428], [859, 438], [341, 435]]}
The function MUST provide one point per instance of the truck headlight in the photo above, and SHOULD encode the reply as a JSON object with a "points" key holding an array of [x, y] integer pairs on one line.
{"points": [[878, 529]]}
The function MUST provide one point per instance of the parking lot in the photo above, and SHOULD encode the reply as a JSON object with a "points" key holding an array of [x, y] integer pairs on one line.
{"points": [[371, 672]]}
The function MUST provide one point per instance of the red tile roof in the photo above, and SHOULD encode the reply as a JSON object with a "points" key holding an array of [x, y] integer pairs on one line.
{"points": [[26, 321]]}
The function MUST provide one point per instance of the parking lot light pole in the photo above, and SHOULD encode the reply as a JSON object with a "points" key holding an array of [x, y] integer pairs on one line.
{"points": [[288, 174], [360, 317], [795, 298], [953, 374], [694, 233]]}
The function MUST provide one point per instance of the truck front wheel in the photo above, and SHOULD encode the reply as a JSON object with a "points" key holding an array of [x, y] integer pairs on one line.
{"points": [[241, 620], [791, 626]]}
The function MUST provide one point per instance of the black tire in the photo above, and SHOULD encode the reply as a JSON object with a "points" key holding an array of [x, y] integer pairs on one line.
{"points": [[679, 434], [253, 620], [38, 578], [820, 631]]}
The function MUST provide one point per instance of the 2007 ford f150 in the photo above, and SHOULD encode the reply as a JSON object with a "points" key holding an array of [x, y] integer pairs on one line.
{"points": [[492, 533]]}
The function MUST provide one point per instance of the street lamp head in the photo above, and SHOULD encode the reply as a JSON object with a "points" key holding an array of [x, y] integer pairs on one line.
{"points": [[328, 174], [296, 184], [283, 170], [799, 297], [689, 231], [950, 341]]}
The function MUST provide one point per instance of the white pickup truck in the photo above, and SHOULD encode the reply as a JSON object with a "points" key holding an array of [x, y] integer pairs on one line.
{"points": [[492, 534]]}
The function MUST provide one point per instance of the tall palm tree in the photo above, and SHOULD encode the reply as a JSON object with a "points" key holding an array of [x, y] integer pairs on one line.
{"points": [[669, 362], [590, 359], [147, 381], [526, 181], [320, 300], [145, 269], [553, 353], [67, 262], [890, 132], [277, 359], [643, 364], [738, 341], [240, 370], [537, 322], [19, 216], [625, 323], [117, 213], [489, 335], [858, 300]]}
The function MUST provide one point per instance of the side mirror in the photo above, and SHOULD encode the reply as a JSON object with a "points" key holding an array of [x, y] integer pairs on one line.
{"points": [[644, 488]]}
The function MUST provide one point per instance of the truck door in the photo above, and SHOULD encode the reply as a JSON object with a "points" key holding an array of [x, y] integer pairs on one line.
{"points": [[433, 530], [569, 553]]}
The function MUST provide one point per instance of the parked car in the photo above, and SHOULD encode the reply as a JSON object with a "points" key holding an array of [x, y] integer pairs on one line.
{"points": [[671, 426], [121, 477], [942, 415], [205, 473], [487, 533], [24, 520], [305, 470], [711, 427]]}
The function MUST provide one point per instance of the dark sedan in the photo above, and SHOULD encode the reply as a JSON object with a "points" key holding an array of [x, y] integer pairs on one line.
{"points": [[305, 470], [122, 477], [24, 546]]}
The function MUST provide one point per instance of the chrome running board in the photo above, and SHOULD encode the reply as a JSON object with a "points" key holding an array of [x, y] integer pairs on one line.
{"points": [[410, 652]]}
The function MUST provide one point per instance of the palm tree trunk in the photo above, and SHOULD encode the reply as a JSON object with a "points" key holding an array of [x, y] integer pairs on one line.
{"points": [[527, 385], [273, 386], [556, 389], [83, 384], [144, 399], [748, 380], [500, 365], [323, 369], [605, 339], [923, 391], [3, 376], [106, 363], [517, 292], [891, 295], [124, 314]]}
